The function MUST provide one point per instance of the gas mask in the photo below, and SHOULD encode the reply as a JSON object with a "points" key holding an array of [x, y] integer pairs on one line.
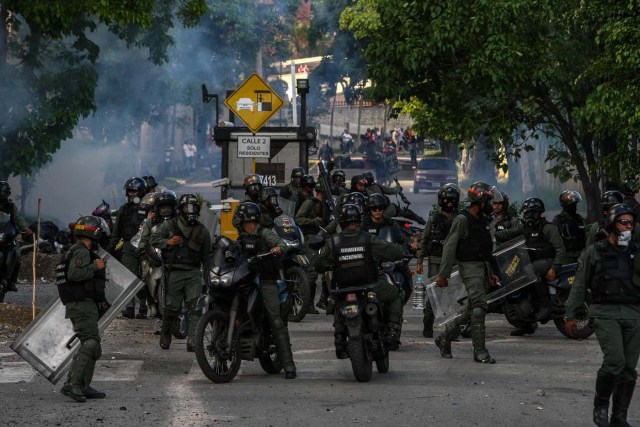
{"points": [[253, 192], [571, 209], [133, 198], [624, 237], [529, 218], [191, 212], [448, 205]]}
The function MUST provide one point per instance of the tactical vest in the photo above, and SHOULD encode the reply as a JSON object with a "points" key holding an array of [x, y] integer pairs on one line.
{"points": [[374, 227], [190, 251], [540, 246], [129, 220], [252, 245], [573, 232], [70, 291], [478, 245], [353, 259], [505, 222], [438, 232], [613, 282]]}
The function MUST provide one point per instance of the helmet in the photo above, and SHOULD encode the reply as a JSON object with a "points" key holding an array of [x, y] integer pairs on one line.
{"points": [[338, 175], [377, 200], [102, 210], [532, 204], [350, 213], [369, 177], [482, 192], [137, 185], [148, 201], [308, 181], [356, 198], [253, 186], [610, 198], [569, 197], [167, 197], [150, 181], [297, 173], [189, 208], [90, 226], [629, 187], [614, 212], [268, 194], [450, 192], [5, 190], [319, 186], [248, 211]]}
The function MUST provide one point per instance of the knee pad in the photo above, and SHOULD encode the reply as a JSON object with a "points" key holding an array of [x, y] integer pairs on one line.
{"points": [[277, 325], [91, 347], [478, 313]]}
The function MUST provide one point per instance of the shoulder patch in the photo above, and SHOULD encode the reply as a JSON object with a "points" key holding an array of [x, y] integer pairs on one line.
{"points": [[79, 262], [580, 265]]}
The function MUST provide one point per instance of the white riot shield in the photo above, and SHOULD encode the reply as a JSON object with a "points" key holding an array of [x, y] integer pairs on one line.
{"points": [[209, 218], [48, 343], [515, 272], [288, 206]]}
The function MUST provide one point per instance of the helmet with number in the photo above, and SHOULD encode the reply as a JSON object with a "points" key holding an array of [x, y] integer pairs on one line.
{"points": [[532, 204], [308, 182], [189, 208], [569, 197], [151, 183], [614, 212], [350, 213], [480, 192], [610, 198], [248, 211], [91, 227], [369, 177], [5, 190], [629, 187], [298, 173], [253, 186], [338, 175], [450, 193], [165, 204], [137, 186], [377, 200], [356, 198]]}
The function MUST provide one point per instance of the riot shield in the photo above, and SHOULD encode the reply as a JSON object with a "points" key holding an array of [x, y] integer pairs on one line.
{"points": [[48, 343], [288, 206], [209, 218], [514, 269]]}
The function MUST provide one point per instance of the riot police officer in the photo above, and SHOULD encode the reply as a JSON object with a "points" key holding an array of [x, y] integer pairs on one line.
{"points": [[269, 207], [432, 242], [469, 244], [610, 270], [338, 179], [151, 182], [252, 185], [392, 210], [82, 291], [12, 258], [365, 251], [128, 220], [501, 219], [186, 245], [571, 226], [255, 240], [597, 230], [291, 190], [307, 185]]}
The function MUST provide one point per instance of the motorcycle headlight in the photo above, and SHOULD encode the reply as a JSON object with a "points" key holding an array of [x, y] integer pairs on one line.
{"points": [[292, 243], [225, 279]]}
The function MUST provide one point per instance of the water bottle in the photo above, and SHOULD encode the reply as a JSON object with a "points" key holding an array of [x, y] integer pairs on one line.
{"points": [[419, 294]]}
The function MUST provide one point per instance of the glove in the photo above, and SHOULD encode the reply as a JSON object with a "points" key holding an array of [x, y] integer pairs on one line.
{"points": [[103, 307], [570, 326], [441, 282]]}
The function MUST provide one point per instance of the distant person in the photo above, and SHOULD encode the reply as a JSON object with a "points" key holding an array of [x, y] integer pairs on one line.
{"points": [[326, 152], [189, 149]]}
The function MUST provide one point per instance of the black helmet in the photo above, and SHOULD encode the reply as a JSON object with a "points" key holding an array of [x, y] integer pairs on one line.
{"points": [[615, 211], [167, 197], [268, 194], [338, 175], [356, 198], [189, 208], [350, 213], [103, 210], [248, 211], [91, 227], [253, 186], [137, 185], [569, 197], [377, 200], [629, 187], [5, 190], [150, 181], [369, 177], [297, 173], [448, 192], [482, 192], [148, 201], [319, 186], [610, 198], [308, 181], [532, 204]]}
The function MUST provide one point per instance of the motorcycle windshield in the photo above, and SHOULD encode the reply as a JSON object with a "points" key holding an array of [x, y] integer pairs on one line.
{"points": [[514, 269], [390, 234], [242, 270], [287, 228], [288, 207]]}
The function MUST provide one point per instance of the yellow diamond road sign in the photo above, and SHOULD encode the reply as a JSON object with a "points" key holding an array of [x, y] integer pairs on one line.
{"points": [[254, 102]]}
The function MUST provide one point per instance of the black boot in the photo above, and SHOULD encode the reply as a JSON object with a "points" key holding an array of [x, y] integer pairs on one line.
{"points": [[165, 330], [129, 313], [529, 329], [283, 349], [427, 320], [622, 393], [543, 313], [341, 346], [322, 302], [604, 387]]}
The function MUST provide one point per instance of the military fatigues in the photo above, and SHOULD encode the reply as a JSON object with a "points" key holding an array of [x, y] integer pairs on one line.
{"points": [[128, 220], [290, 191], [596, 232], [266, 220], [150, 263], [469, 244], [261, 241], [12, 256], [83, 290], [430, 246], [611, 274], [185, 262], [573, 233]]}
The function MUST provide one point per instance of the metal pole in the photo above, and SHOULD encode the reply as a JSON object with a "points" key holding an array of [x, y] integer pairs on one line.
{"points": [[294, 107]]}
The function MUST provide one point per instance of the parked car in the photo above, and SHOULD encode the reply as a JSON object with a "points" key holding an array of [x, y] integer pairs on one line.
{"points": [[433, 172]]}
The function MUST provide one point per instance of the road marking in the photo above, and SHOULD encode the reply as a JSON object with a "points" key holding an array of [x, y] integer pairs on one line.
{"points": [[16, 372]]}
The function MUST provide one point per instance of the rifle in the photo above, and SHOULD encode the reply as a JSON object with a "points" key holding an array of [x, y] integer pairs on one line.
{"points": [[324, 181], [406, 201]]}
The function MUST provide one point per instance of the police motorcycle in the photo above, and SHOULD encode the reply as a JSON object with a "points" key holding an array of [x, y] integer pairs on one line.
{"points": [[234, 324], [8, 257], [397, 272]]}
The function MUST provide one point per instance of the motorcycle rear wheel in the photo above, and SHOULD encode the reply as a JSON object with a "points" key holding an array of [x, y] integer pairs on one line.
{"points": [[219, 364], [299, 293], [361, 361]]}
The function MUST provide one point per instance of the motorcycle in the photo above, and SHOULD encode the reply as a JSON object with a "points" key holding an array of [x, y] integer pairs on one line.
{"points": [[295, 265], [234, 325], [399, 276], [518, 306], [9, 252]]}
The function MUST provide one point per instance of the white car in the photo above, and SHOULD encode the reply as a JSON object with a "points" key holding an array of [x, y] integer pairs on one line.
{"points": [[244, 104]]}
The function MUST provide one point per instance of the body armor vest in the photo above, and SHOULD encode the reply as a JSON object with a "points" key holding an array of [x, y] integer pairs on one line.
{"points": [[79, 291], [613, 279], [252, 245], [438, 232], [505, 222], [374, 227], [540, 246], [130, 219], [573, 232], [479, 244], [354, 263], [190, 251]]}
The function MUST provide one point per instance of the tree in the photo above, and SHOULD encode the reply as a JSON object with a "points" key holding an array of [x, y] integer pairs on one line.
{"points": [[563, 68]]}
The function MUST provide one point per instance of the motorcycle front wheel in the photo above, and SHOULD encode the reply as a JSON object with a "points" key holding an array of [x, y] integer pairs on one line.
{"points": [[219, 362], [180, 327], [299, 293], [361, 360], [382, 360]]}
